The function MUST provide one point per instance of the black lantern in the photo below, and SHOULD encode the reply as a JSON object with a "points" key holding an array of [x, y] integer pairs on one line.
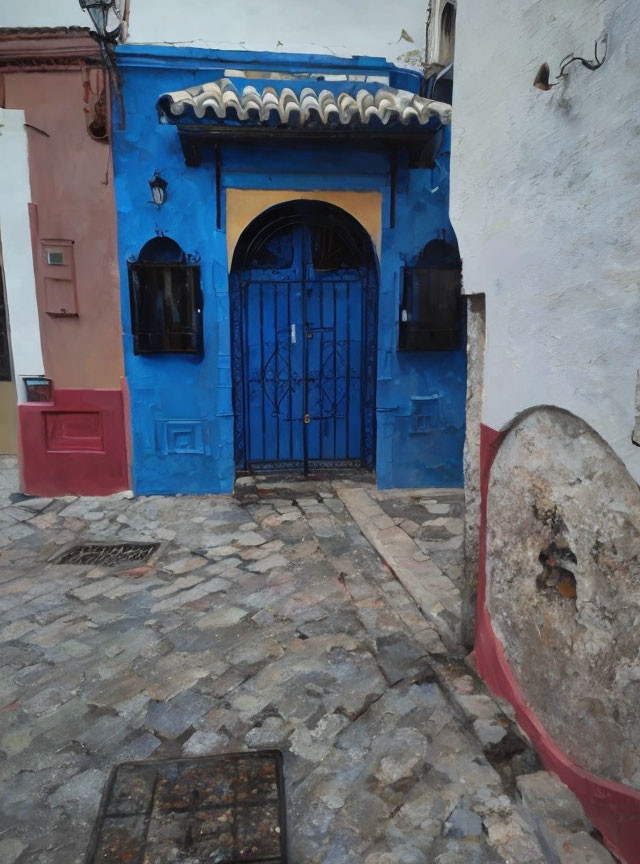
{"points": [[101, 13], [158, 189]]}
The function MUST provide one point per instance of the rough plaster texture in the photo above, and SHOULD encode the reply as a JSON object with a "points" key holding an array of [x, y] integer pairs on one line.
{"points": [[17, 261], [329, 27], [545, 207], [562, 585], [278, 25], [476, 343]]}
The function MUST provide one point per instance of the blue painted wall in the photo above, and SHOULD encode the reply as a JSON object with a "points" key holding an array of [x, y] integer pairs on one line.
{"points": [[181, 406]]}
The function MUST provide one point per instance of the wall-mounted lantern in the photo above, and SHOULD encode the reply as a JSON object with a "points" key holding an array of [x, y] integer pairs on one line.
{"points": [[106, 17], [38, 388], [158, 189]]}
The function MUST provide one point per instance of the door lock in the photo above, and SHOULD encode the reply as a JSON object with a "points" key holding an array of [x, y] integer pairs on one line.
{"points": [[307, 419]]}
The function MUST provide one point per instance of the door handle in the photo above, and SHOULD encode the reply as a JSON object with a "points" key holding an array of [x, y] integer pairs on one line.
{"points": [[293, 334]]}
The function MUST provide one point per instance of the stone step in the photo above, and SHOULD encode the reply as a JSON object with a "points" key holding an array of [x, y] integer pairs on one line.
{"points": [[563, 829]]}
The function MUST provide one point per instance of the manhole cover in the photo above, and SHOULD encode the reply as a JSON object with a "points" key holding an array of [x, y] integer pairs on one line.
{"points": [[211, 810], [108, 555]]}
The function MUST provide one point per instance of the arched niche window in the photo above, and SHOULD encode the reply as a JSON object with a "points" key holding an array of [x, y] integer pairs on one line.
{"points": [[447, 34], [333, 238], [166, 300], [430, 307]]}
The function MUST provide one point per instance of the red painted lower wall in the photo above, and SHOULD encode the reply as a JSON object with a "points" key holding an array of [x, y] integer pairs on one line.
{"points": [[74, 445], [613, 808]]}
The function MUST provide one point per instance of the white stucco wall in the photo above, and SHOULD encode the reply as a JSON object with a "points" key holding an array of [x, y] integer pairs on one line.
{"points": [[546, 206], [321, 27], [20, 286]]}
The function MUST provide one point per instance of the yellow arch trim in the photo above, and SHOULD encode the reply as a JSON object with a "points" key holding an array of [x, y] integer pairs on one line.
{"points": [[243, 205]]}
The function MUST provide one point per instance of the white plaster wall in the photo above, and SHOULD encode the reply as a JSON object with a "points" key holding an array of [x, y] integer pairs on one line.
{"points": [[20, 285], [320, 27], [546, 206]]}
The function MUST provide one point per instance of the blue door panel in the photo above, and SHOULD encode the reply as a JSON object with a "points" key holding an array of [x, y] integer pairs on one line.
{"points": [[302, 363], [334, 324]]}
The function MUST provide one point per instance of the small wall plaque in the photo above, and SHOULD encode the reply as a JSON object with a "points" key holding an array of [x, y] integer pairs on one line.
{"points": [[58, 278]]}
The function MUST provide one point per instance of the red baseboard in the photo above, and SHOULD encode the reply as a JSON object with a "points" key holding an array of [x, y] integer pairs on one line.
{"points": [[74, 445]]}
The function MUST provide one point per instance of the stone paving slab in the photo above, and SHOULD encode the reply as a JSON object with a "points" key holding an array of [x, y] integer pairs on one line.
{"points": [[435, 593], [314, 647]]}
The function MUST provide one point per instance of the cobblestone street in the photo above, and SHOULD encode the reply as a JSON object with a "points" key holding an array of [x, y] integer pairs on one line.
{"points": [[264, 620]]}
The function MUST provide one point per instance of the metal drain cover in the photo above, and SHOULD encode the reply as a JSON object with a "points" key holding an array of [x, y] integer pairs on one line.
{"points": [[210, 810], [108, 554]]}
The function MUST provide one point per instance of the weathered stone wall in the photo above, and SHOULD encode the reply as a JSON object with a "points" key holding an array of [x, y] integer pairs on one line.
{"points": [[475, 368], [563, 586]]}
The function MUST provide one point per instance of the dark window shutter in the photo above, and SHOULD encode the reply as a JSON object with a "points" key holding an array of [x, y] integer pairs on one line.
{"points": [[166, 308], [429, 312]]}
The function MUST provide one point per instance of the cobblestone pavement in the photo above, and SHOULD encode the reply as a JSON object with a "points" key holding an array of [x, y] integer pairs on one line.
{"points": [[263, 620]]}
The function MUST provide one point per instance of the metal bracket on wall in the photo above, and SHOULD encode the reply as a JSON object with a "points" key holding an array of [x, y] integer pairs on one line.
{"points": [[218, 188], [393, 178]]}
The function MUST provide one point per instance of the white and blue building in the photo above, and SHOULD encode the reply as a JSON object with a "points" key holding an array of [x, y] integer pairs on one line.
{"points": [[291, 281]]}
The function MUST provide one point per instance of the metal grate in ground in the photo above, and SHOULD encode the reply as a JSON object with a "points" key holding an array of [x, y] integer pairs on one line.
{"points": [[223, 809], [108, 555]]}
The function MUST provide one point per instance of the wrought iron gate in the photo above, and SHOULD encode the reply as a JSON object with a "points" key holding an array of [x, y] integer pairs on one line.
{"points": [[304, 362]]}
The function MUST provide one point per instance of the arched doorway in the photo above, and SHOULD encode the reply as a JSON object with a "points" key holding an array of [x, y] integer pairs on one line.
{"points": [[303, 340]]}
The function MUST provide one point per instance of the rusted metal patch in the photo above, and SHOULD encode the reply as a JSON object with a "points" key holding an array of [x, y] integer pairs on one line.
{"points": [[209, 810], [107, 554]]}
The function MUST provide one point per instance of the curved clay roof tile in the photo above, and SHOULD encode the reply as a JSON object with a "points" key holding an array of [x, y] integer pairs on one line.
{"points": [[221, 100]]}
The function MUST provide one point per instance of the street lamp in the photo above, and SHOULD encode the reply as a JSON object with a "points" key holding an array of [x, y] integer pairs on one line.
{"points": [[100, 12]]}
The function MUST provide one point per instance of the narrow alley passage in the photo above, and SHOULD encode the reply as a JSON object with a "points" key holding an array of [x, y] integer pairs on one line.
{"points": [[265, 620]]}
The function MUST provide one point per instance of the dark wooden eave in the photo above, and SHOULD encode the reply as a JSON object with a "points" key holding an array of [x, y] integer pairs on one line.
{"points": [[196, 139]]}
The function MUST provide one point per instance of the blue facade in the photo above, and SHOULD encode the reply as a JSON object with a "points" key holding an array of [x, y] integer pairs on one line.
{"points": [[182, 409]]}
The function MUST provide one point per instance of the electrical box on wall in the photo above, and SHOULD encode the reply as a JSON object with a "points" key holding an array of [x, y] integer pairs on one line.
{"points": [[430, 305], [59, 278]]}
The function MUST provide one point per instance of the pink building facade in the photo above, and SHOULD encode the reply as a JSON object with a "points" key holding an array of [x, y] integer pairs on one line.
{"points": [[63, 317]]}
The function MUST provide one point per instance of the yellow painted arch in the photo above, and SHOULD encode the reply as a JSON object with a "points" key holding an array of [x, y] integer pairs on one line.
{"points": [[243, 205]]}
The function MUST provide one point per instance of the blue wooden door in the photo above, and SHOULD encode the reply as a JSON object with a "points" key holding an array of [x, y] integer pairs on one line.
{"points": [[303, 357]]}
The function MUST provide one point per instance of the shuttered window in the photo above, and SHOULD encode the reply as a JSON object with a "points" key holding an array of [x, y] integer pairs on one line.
{"points": [[429, 312], [166, 308]]}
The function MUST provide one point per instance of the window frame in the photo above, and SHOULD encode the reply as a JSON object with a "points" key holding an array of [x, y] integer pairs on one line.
{"points": [[166, 339], [420, 289]]}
